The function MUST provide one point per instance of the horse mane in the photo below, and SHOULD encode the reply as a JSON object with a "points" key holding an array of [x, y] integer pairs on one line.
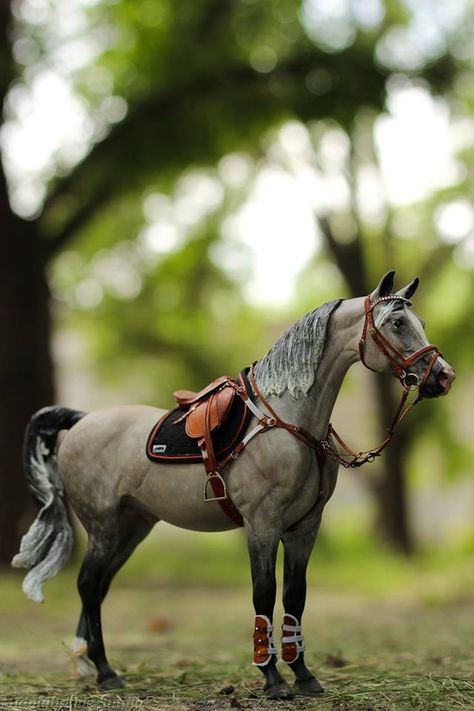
{"points": [[291, 363]]}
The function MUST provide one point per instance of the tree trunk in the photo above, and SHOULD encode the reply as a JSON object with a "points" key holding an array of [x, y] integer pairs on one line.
{"points": [[26, 381]]}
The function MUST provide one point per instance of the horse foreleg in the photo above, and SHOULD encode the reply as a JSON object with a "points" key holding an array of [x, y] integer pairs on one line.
{"points": [[263, 551], [298, 546]]}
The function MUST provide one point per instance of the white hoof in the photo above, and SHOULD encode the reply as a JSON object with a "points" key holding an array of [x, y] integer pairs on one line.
{"points": [[82, 667]]}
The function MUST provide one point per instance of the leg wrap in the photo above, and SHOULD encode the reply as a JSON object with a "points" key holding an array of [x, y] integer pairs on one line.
{"points": [[291, 640], [263, 642]]}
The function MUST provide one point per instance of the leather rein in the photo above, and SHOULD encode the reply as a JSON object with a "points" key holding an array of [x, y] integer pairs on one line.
{"points": [[398, 363]]}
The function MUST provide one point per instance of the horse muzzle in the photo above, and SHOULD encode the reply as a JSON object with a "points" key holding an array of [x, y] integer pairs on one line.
{"points": [[439, 381]]}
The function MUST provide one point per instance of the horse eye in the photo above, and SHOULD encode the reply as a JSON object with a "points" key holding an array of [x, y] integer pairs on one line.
{"points": [[396, 323]]}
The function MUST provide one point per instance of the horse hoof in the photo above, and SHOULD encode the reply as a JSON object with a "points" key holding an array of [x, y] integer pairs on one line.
{"points": [[279, 692], [308, 687], [111, 683]]}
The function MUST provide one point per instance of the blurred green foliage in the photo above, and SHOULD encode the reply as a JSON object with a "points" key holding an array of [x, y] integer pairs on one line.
{"points": [[172, 92]]}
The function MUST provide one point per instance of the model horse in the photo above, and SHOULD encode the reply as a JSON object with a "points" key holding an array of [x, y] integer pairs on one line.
{"points": [[279, 484]]}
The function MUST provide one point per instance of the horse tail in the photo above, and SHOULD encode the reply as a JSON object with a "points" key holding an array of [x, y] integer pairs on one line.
{"points": [[46, 546]]}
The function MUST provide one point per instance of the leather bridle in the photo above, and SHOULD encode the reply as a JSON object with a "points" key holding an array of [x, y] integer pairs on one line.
{"points": [[398, 363]]}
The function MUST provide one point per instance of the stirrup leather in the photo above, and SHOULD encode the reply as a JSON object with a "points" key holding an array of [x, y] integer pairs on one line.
{"points": [[292, 641]]}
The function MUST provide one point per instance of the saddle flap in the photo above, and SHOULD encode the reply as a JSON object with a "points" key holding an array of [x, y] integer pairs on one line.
{"points": [[209, 413]]}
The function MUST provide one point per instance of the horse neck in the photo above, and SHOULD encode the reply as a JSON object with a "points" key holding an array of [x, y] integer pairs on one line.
{"points": [[313, 410]]}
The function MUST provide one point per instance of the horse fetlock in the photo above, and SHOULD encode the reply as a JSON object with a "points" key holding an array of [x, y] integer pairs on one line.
{"points": [[275, 687], [292, 641]]}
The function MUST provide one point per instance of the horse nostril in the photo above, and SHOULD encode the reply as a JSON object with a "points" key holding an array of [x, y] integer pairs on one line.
{"points": [[446, 379]]}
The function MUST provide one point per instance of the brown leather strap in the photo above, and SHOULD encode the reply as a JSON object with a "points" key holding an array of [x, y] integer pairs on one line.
{"points": [[303, 436], [297, 431], [214, 469]]}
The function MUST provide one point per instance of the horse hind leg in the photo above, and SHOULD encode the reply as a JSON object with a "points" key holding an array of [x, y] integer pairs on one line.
{"points": [[104, 557]]}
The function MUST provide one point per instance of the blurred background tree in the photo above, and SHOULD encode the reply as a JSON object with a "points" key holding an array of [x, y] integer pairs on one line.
{"points": [[121, 219]]}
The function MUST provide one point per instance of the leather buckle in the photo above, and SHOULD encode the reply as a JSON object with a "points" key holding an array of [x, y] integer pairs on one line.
{"points": [[210, 476]]}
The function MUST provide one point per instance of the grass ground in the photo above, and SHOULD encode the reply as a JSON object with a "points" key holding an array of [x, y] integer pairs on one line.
{"points": [[383, 634]]}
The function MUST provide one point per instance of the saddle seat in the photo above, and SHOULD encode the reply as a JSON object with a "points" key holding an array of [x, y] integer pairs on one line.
{"points": [[185, 398], [208, 408]]}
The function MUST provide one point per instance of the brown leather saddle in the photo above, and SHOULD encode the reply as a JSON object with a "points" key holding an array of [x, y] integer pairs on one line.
{"points": [[207, 410]]}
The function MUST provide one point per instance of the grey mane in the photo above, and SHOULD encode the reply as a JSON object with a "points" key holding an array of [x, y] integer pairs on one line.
{"points": [[292, 361]]}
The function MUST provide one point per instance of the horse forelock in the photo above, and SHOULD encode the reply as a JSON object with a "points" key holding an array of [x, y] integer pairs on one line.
{"points": [[291, 363], [383, 310]]}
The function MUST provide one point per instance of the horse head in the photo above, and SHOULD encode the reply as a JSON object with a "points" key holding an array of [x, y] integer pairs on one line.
{"points": [[393, 337]]}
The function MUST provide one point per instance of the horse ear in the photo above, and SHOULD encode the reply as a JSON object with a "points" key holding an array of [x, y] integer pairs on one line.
{"points": [[384, 287], [409, 289]]}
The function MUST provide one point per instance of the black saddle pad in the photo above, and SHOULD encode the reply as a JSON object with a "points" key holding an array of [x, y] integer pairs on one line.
{"points": [[168, 442]]}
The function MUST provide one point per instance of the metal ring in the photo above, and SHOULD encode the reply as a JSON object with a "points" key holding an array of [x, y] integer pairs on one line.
{"points": [[410, 376]]}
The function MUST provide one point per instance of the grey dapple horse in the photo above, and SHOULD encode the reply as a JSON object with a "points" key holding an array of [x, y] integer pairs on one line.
{"points": [[279, 484]]}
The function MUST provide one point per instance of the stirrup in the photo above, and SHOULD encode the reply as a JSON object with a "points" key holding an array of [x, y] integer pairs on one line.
{"points": [[214, 475]]}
